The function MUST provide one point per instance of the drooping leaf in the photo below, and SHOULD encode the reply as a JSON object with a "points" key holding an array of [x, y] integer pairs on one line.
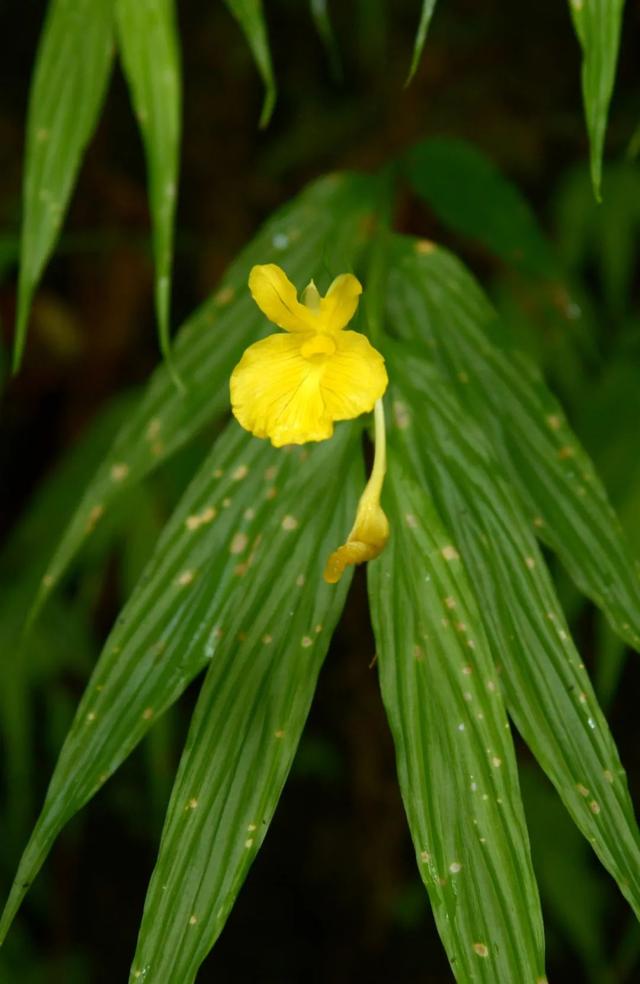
{"points": [[547, 689], [597, 24], [236, 531], [574, 895], [318, 234], [601, 238], [37, 530], [551, 472], [250, 17], [69, 83], [467, 192], [322, 20], [455, 757], [148, 42], [245, 731], [421, 36]]}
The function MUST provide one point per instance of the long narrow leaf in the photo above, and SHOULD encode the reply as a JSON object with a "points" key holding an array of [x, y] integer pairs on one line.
{"points": [[597, 24], [322, 20], [244, 734], [70, 80], [548, 691], [319, 234], [243, 514], [421, 36], [443, 307], [250, 17], [456, 762], [148, 44]]}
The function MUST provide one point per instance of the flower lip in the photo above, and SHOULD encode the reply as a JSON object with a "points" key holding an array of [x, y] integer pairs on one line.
{"points": [[292, 386], [319, 344]]}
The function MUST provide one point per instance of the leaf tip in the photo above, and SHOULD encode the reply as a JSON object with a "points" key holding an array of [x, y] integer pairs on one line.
{"points": [[268, 105]]}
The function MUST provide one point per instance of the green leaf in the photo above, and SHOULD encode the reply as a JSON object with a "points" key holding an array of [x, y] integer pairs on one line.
{"points": [[319, 233], [598, 24], [245, 731], [573, 893], [601, 239], [322, 20], [69, 84], [254, 524], [421, 36], [250, 17], [148, 43], [36, 534], [547, 689], [468, 193], [455, 757], [442, 306]]}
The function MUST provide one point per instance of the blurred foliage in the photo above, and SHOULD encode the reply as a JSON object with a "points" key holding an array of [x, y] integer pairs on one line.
{"points": [[514, 95]]}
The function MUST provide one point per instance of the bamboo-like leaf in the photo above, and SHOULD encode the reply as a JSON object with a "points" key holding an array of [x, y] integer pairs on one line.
{"points": [[456, 762], [239, 525], [250, 17], [597, 24], [468, 193], [547, 689], [245, 731], [320, 232], [442, 306], [573, 892], [70, 80], [322, 20], [421, 36], [148, 43]]}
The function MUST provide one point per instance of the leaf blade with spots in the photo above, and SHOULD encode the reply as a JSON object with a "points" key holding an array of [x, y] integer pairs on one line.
{"points": [[148, 43], [444, 308], [260, 506], [241, 743], [455, 758], [320, 233], [547, 689], [70, 79]]}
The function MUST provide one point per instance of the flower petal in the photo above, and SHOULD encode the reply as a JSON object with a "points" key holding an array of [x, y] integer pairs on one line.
{"points": [[275, 393], [277, 298], [368, 537], [353, 552], [339, 304], [354, 378]]}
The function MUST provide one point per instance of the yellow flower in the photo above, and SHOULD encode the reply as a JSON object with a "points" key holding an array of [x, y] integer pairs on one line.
{"points": [[370, 531], [292, 387]]}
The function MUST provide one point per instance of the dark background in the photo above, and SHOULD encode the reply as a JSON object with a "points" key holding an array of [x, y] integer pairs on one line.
{"points": [[333, 896]]}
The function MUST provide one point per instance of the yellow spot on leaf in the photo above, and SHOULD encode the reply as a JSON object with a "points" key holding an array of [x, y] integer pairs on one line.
{"points": [[95, 514], [224, 296], [239, 543], [450, 553], [119, 472]]}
